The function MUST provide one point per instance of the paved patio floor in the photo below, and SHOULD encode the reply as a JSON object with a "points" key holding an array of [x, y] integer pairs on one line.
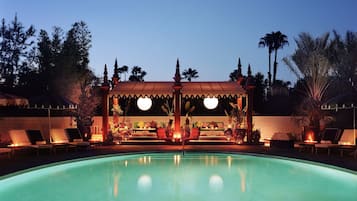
{"points": [[28, 159]]}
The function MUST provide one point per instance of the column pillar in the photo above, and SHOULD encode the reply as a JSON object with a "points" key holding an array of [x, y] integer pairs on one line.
{"points": [[177, 98], [105, 104], [250, 85]]}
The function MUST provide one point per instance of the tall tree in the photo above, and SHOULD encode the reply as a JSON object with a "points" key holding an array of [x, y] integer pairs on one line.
{"points": [[124, 69], [57, 45], [233, 75], [15, 44], [189, 74], [137, 74], [74, 60], [88, 100], [267, 41], [45, 54], [259, 93], [343, 55], [311, 65], [279, 41]]}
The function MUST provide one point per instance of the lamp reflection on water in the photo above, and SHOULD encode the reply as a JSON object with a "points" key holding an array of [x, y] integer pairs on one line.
{"points": [[116, 185], [229, 161], [146, 160], [177, 159], [144, 183], [216, 183]]}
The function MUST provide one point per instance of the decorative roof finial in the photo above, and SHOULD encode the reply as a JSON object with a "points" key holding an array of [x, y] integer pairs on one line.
{"points": [[105, 79], [239, 72], [116, 70], [239, 68], [177, 77], [249, 70], [250, 82], [115, 78]]}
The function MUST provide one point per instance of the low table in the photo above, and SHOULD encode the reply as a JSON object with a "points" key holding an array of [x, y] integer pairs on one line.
{"points": [[308, 145], [344, 148]]}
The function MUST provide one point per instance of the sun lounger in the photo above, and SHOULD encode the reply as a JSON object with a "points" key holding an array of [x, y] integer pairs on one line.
{"points": [[21, 140], [38, 141], [59, 139], [67, 138], [329, 140], [347, 142], [75, 137]]}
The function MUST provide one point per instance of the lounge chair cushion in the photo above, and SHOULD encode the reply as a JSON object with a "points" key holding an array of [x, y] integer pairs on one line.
{"points": [[73, 133], [59, 136], [34, 136], [40, 142], [19, 138]]}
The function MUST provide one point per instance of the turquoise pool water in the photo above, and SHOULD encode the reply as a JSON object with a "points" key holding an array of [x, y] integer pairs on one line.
{"points": [[173, 176]]}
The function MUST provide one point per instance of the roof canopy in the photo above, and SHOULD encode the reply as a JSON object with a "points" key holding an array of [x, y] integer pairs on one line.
{"points": [[189, 89], [12, 100]]}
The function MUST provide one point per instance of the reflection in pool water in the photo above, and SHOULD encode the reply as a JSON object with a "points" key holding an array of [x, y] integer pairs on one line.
{"points": [[172, 176]]}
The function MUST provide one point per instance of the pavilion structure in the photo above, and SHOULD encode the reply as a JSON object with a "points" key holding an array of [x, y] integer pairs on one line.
{"points": [[241, 89]]}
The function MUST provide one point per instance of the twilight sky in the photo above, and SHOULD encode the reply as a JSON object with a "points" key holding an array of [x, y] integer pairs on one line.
{"points": [[207, 35]]}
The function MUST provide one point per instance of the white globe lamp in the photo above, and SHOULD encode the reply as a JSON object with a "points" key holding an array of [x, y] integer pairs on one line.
{"points": [[210, 103], [144, 104]]}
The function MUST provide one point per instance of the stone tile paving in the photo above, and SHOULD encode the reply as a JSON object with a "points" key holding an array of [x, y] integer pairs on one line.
{"points": [[28, 159]]}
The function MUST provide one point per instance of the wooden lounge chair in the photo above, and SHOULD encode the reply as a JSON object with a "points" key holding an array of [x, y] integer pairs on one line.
{"points": [[75, 137], [20, 140], [329, 140], [59, 139], [38, 141], [347, 142]]}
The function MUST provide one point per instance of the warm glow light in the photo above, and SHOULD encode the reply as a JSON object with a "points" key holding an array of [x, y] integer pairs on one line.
{"points": [[144, 104], [144, 183], [177, 136], [210, 103], [229, 161], [310, 136], [177, 159], [216, 183]]}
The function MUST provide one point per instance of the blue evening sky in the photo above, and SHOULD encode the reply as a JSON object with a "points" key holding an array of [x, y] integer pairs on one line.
{"points": [[207, 35]]}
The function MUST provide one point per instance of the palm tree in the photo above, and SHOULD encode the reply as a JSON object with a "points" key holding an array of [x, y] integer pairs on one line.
{"points": [[123, 69], [279, 41], [137, 74], [233, 75], [267, 41], [189, 74], [343, 55], [311, 66]]}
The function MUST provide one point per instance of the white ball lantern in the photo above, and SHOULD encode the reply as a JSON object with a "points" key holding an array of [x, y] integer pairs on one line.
{"points": [[144, 104], [210, 102]]}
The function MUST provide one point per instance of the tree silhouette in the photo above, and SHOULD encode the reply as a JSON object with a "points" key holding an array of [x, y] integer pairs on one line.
{"points": [[189, 74], [233, 75], [267, 41], [137, 74], [15, 46], [279, 41], [259, 93], [124, 69], [311, 65]]}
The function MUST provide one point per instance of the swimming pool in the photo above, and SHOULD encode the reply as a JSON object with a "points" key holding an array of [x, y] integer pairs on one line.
{"points": [[173, 176]]}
